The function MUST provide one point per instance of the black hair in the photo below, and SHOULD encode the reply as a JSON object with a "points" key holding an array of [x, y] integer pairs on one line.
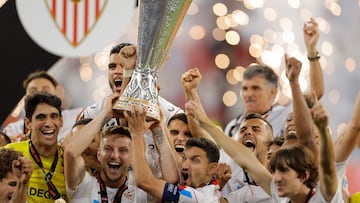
{"points": [[32, 101], [179, 116], [212, 151], [116, 49], [259, 116]]}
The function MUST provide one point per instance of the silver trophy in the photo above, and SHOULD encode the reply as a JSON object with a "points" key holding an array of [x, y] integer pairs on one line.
{"points": [[159, 21]]}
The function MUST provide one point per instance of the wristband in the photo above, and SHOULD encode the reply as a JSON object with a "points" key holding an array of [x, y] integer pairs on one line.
{"points": [[128, 73], [316, 57]]}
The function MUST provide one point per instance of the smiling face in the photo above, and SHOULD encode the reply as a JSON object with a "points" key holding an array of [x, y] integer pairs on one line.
{"points": [[114, 156], [257, 94], [45, 124], [290, 131], [255, 134], [7, 187], [115, 73], [196, 169], [290, 126], [180, 133]]}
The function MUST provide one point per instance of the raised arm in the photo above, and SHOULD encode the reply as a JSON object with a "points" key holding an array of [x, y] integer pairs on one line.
{"points": [[238, 152], [190, 81], [144, 178], [128, 57], [327, 168], [311, 37], [74, 166], [22, 169], [346, 142], [302, 116], [168, 156]]}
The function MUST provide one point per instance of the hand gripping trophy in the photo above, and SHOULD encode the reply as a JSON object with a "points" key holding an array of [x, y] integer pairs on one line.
{"points": [[159, 21]]}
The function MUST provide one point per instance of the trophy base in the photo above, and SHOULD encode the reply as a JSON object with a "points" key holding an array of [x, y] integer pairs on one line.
{"points": [[126, 103]]}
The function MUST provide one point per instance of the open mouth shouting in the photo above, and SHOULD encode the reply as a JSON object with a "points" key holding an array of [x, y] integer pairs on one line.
{"points": [[250, 144], [9, 197], [117, 84], [114, 167], [179, 148], [185, 178]]}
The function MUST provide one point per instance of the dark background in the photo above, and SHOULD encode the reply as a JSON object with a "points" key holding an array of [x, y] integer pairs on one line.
{"points": [[19, 56]]}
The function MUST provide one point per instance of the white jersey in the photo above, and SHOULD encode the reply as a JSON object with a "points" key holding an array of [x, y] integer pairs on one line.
{"points": [[249, 194], [89, 191], [237, 189], [317, 198], [277, 118], [185, 194], [69, 118], [341, 174], [236, 181], [152, 154]]}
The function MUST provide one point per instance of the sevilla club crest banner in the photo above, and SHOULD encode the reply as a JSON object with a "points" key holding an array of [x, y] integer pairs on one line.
{"points": [[75, 28]]}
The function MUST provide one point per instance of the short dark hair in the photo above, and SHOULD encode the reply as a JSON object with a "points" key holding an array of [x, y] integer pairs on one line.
{"points": [[39, 74], [212, 151], [259, 116], [261, 70], [179, 116], [33, 100], [7, 156], [116, 49], [298, 158], [6, 137]]}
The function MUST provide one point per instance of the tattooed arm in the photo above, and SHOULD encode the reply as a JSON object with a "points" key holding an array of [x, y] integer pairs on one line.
{"points": [[168, 157]]}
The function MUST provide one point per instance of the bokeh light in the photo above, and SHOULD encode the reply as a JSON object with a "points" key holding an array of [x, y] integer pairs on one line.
{"points": [[350, 64], [86, 72], [229, 98], [232, 37], [197, 32], [220, 9], [222, 61]]}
